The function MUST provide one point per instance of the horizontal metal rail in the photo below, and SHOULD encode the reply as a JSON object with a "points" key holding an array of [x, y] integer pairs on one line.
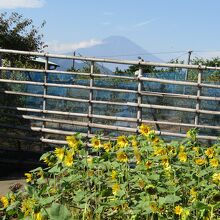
{"points": [[89, 119], [106, 117], [148, 106], [98, 75], [148, 79], [64, 133], [143, 93], [105, 60]]}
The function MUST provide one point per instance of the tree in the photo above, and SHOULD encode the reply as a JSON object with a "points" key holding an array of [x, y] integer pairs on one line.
{"points": [[213, 76], [146, 69], [19, 33], [193, 74], [175, 61]]}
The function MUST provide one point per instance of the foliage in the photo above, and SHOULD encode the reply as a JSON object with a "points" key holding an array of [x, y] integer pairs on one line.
{"points": [[19, 33], [133, 68], [87, 69], [211, 76], [175, 61], [213, 62], [135, 177]]}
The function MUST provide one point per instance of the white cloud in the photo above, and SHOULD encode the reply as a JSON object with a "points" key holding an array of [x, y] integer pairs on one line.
{"points": [[140, 24], [12, 4], [56, 46]]}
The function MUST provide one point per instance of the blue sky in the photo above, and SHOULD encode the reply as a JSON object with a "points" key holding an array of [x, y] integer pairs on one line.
{"points": [[158, 26]]}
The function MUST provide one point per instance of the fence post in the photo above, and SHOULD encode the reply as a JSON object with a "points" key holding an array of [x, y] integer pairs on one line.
{"points": [[45, 93], [90, 109], [198, 96], [139, 97], [0, 64]]}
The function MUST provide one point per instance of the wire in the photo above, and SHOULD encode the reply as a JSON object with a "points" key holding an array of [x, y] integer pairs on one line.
{"points": [[180, 56], [158, 53], [138, 54]]}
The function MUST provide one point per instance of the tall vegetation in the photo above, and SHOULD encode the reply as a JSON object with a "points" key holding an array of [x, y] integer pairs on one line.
{"points": [[135, 177]]}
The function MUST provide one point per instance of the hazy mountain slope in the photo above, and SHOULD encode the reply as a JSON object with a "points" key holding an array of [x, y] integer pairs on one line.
{"points": [[114, 47], [118, 47]]}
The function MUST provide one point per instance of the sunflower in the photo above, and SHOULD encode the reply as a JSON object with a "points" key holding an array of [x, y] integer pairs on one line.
{"points": [[27, 206], [196, 150], [155, 139], [182, 148], [68, 160], [115, 188], [40, 174], [122, 141], [38, 216], [134, 143], [90, 172], [214, 162], [160, 151], [144, 129], [59, 152], [122, 157], [113, 174], [200, 161], [210, 152], [89, 160], [141, 183], [107, 146], [151, 189], [72, 142], [148, 164], [171, 150], [178, 210], [165, 162], [29, 177], [193, 194], [12, 198], [96, 143], [4, 201], [48, 161], [153, 207], [216, 178], [182, 156], [137, 155]]}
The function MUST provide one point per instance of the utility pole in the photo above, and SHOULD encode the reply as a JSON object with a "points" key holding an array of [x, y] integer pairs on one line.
{"points": [[73, 67], [188, 62]]}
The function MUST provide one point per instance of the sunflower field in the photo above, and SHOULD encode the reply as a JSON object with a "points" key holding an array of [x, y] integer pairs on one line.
{"points": [[134, 177]]}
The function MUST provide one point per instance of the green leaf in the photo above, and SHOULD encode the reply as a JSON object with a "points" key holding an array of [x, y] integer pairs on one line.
{"points": [[45, 155], [154, 177], [162, 200], [36, 169], [201, 206], [172, 199], [79, 196], [55, 169], [48, 200], [59, 212], [217, 205], [202, 173], [13, 206]]}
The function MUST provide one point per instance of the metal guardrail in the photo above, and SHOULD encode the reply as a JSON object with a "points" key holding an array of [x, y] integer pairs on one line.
{"points": [[45, 114]]}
